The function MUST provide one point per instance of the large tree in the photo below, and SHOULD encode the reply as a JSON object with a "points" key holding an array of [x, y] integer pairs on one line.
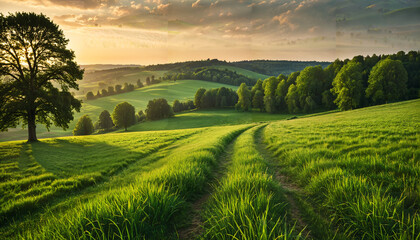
{"points": [[244, 95], [124, 115], [105, 120], [310, 84], [158, 109], [387, 81], [348, 86], [37, 72], [197, 98]]}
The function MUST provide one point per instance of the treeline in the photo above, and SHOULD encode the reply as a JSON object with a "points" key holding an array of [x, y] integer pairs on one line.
{"points": [[211, 75], [184, 65], [216, 97], [123, 116], [128, 87], [274, 68], [359, 82]]}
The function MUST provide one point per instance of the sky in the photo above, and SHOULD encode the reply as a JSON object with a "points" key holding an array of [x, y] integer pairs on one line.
{"points": [[161, 31]]}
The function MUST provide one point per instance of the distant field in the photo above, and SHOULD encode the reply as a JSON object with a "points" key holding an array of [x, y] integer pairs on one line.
{"points": [[242, 71], [206, 118], [182, 90], [111, 77]]}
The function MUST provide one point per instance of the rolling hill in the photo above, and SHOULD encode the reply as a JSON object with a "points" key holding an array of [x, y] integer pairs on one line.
{"points": [[139, 98], [346, 174]]}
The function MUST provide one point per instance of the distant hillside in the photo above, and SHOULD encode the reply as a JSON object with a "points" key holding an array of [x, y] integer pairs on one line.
{"points": [[98, 67], [275, 68], [257, 67]]}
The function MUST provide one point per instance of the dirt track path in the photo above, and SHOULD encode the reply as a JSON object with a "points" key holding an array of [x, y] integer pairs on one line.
{"points": [[290, 189], [195, 229]]}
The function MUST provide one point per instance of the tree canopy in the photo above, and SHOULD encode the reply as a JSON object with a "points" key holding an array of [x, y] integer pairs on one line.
{"points": [[105, 120], [387, 81], [37, 72], [158, 109], [84, 126], [124, 115], [347, 86], [244, 98]]}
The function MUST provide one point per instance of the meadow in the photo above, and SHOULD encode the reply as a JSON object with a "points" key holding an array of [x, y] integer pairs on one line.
{"points": [[181, 90], [339, 175], [358, 172]]}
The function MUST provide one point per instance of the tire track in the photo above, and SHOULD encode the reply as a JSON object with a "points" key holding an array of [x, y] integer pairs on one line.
{"points": [[195, 229], [291, 190]]}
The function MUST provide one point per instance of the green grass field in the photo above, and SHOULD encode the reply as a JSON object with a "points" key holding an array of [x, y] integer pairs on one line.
{"points": [[207, 118], [343, 175], [181, 90]]}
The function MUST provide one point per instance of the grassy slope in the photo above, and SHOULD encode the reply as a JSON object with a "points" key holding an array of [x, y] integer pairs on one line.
{"points": [[242, 71], [181, 90], [359, 168], [185, 168], [206, 118], [32, 175]]}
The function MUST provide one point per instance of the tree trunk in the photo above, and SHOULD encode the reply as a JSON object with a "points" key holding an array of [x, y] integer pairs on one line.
{"points": [[31, 128]]}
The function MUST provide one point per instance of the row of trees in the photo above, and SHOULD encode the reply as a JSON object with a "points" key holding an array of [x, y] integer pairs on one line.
{"points": [[212, 75], [348, 84], [123, 116], [216, 97], [179, 106], [128, 87]]}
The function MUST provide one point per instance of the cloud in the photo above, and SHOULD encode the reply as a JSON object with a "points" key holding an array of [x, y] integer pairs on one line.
{"points": [[80, 4], [196, 4]]}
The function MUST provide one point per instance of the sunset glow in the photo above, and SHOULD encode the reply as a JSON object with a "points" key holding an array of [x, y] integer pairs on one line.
{"points": [[156, 31]]}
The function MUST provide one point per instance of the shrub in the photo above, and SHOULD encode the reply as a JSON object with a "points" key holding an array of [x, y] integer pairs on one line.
{"points": [[84, 126]]}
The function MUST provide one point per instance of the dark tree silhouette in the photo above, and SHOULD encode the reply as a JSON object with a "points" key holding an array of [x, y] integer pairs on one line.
{"points": [[90, 96], [105, 120], [158, 109], [34, 60]]}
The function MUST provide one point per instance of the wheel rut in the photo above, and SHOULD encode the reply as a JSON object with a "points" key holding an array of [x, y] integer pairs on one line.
{"points": [[290, 188], [195, 229]]}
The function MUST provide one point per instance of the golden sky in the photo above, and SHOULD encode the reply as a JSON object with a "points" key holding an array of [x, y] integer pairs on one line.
{"points": [[160, 31]]}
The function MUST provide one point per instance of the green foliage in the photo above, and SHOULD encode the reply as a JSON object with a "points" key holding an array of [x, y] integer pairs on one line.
{"points": [[84, 126], [177, 106], [310, 86], [258, 100], [211, 74], [292, 99], [105, 120], [123, 115], [387, 81], [347, 86], [270, 94], [141, 117], [244, 98], [158, 109], [197, 98], [182, 90], [139, 84], [33, 59]]}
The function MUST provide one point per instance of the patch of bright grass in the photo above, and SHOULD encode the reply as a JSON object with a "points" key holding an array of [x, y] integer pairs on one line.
{"points": [[361, 168]]}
